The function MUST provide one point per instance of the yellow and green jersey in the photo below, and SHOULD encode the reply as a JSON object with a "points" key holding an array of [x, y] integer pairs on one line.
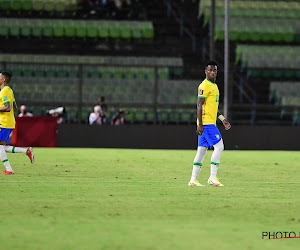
{"points": [[210, 92], [7, 119]]}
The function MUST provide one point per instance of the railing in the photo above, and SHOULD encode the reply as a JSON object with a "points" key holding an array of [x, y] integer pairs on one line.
{"points": [[246, 91], [154, 104], [155, 100], [185, 25]]}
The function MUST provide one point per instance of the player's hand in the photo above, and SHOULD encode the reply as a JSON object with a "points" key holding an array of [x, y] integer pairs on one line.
{"points": [[226, 124], [200, 129]]}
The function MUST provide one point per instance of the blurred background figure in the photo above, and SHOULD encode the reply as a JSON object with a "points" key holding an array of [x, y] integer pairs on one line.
{"points": [[102, 104], [88, 7], [96, 117], [24, 112], [59, 113], [119, 117]]}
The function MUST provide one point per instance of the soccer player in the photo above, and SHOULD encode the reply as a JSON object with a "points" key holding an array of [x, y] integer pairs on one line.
{"points": [[7, 123], [208, 133]]}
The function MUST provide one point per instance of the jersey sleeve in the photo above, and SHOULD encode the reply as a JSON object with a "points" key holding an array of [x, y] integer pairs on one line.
{"points": [[13, 96], [4, 96], [203, 90]]}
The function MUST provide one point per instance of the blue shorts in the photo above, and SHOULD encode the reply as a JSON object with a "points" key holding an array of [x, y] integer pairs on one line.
{"points": [[211, 136], [4, 134]]}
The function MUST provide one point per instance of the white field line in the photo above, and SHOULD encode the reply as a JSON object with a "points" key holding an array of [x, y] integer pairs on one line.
{"points": [[134, 181]]}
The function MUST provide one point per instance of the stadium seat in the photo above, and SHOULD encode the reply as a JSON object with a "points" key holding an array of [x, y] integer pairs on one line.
{"points": [[114, 29], [16, 5], [257, 21], [5, 5], [59, 29], [273, 59], [149, 73], [69, 28], [37, 29], [25, 28], [49, 5], [98, 65], [93, 30], [257, 4], [125, 31], [47, 28], [163, 73], [80, 29], [128, 73], [15, 28], [26, 5], [63, 5], [4, 28], [38, 5], [136, 30], [103, 30], [147, 30]]}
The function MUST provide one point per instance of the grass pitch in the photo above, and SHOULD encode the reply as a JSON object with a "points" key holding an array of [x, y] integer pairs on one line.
{"points": [[139, 199]]}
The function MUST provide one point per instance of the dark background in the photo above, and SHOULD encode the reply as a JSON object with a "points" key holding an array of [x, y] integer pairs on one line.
{"points": [[176, 137]]}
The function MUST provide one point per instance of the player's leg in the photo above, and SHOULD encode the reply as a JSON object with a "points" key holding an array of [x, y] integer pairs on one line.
{"points": [[198, 160], [215, 158], [4, 159], [214, 139], [197, 165], [27, 151], [215, 161], [4, 134], [12, 149]]}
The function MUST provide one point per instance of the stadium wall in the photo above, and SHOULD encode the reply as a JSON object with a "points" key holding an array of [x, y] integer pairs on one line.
{"points": [[176, 137]]}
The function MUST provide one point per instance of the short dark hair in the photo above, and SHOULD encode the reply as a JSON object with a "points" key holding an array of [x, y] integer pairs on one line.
{"points": [[211, 63], [7, 76]]}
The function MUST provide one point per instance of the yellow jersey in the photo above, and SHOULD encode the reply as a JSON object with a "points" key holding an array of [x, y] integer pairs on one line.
{"points": [[210, 92], [7, 119]]}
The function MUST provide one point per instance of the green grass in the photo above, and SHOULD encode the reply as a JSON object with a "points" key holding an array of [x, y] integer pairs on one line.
{"points": [[139, 199]]}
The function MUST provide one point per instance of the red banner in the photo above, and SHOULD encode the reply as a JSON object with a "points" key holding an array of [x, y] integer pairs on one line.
{"points": [[35, 132]]}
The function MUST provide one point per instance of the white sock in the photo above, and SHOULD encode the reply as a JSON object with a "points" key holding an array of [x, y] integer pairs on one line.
{"points": [[12, 149], [215, 159], [198, 161], [4, 159], [213, 170]]}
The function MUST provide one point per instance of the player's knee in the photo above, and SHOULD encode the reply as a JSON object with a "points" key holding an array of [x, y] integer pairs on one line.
{"points": [[219, 146], [201, 150], [222, 146]]}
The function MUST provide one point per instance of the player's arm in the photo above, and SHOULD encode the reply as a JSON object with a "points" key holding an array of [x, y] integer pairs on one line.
{"points": [[224, 121], [200, 103], [6, 107], [15, 106]]}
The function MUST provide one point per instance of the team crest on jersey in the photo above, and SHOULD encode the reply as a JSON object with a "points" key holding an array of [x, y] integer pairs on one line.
{"points": [[5, 98], [201, 91]]}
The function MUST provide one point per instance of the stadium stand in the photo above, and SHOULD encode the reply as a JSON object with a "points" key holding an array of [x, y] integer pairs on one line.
{"points": [[116, 52], [126, 92], [29, 6], [269, 61], [125, 10], [95, 60], [257, 21], [283, 93], [94, 67], [264, 36], [75, 29]]}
